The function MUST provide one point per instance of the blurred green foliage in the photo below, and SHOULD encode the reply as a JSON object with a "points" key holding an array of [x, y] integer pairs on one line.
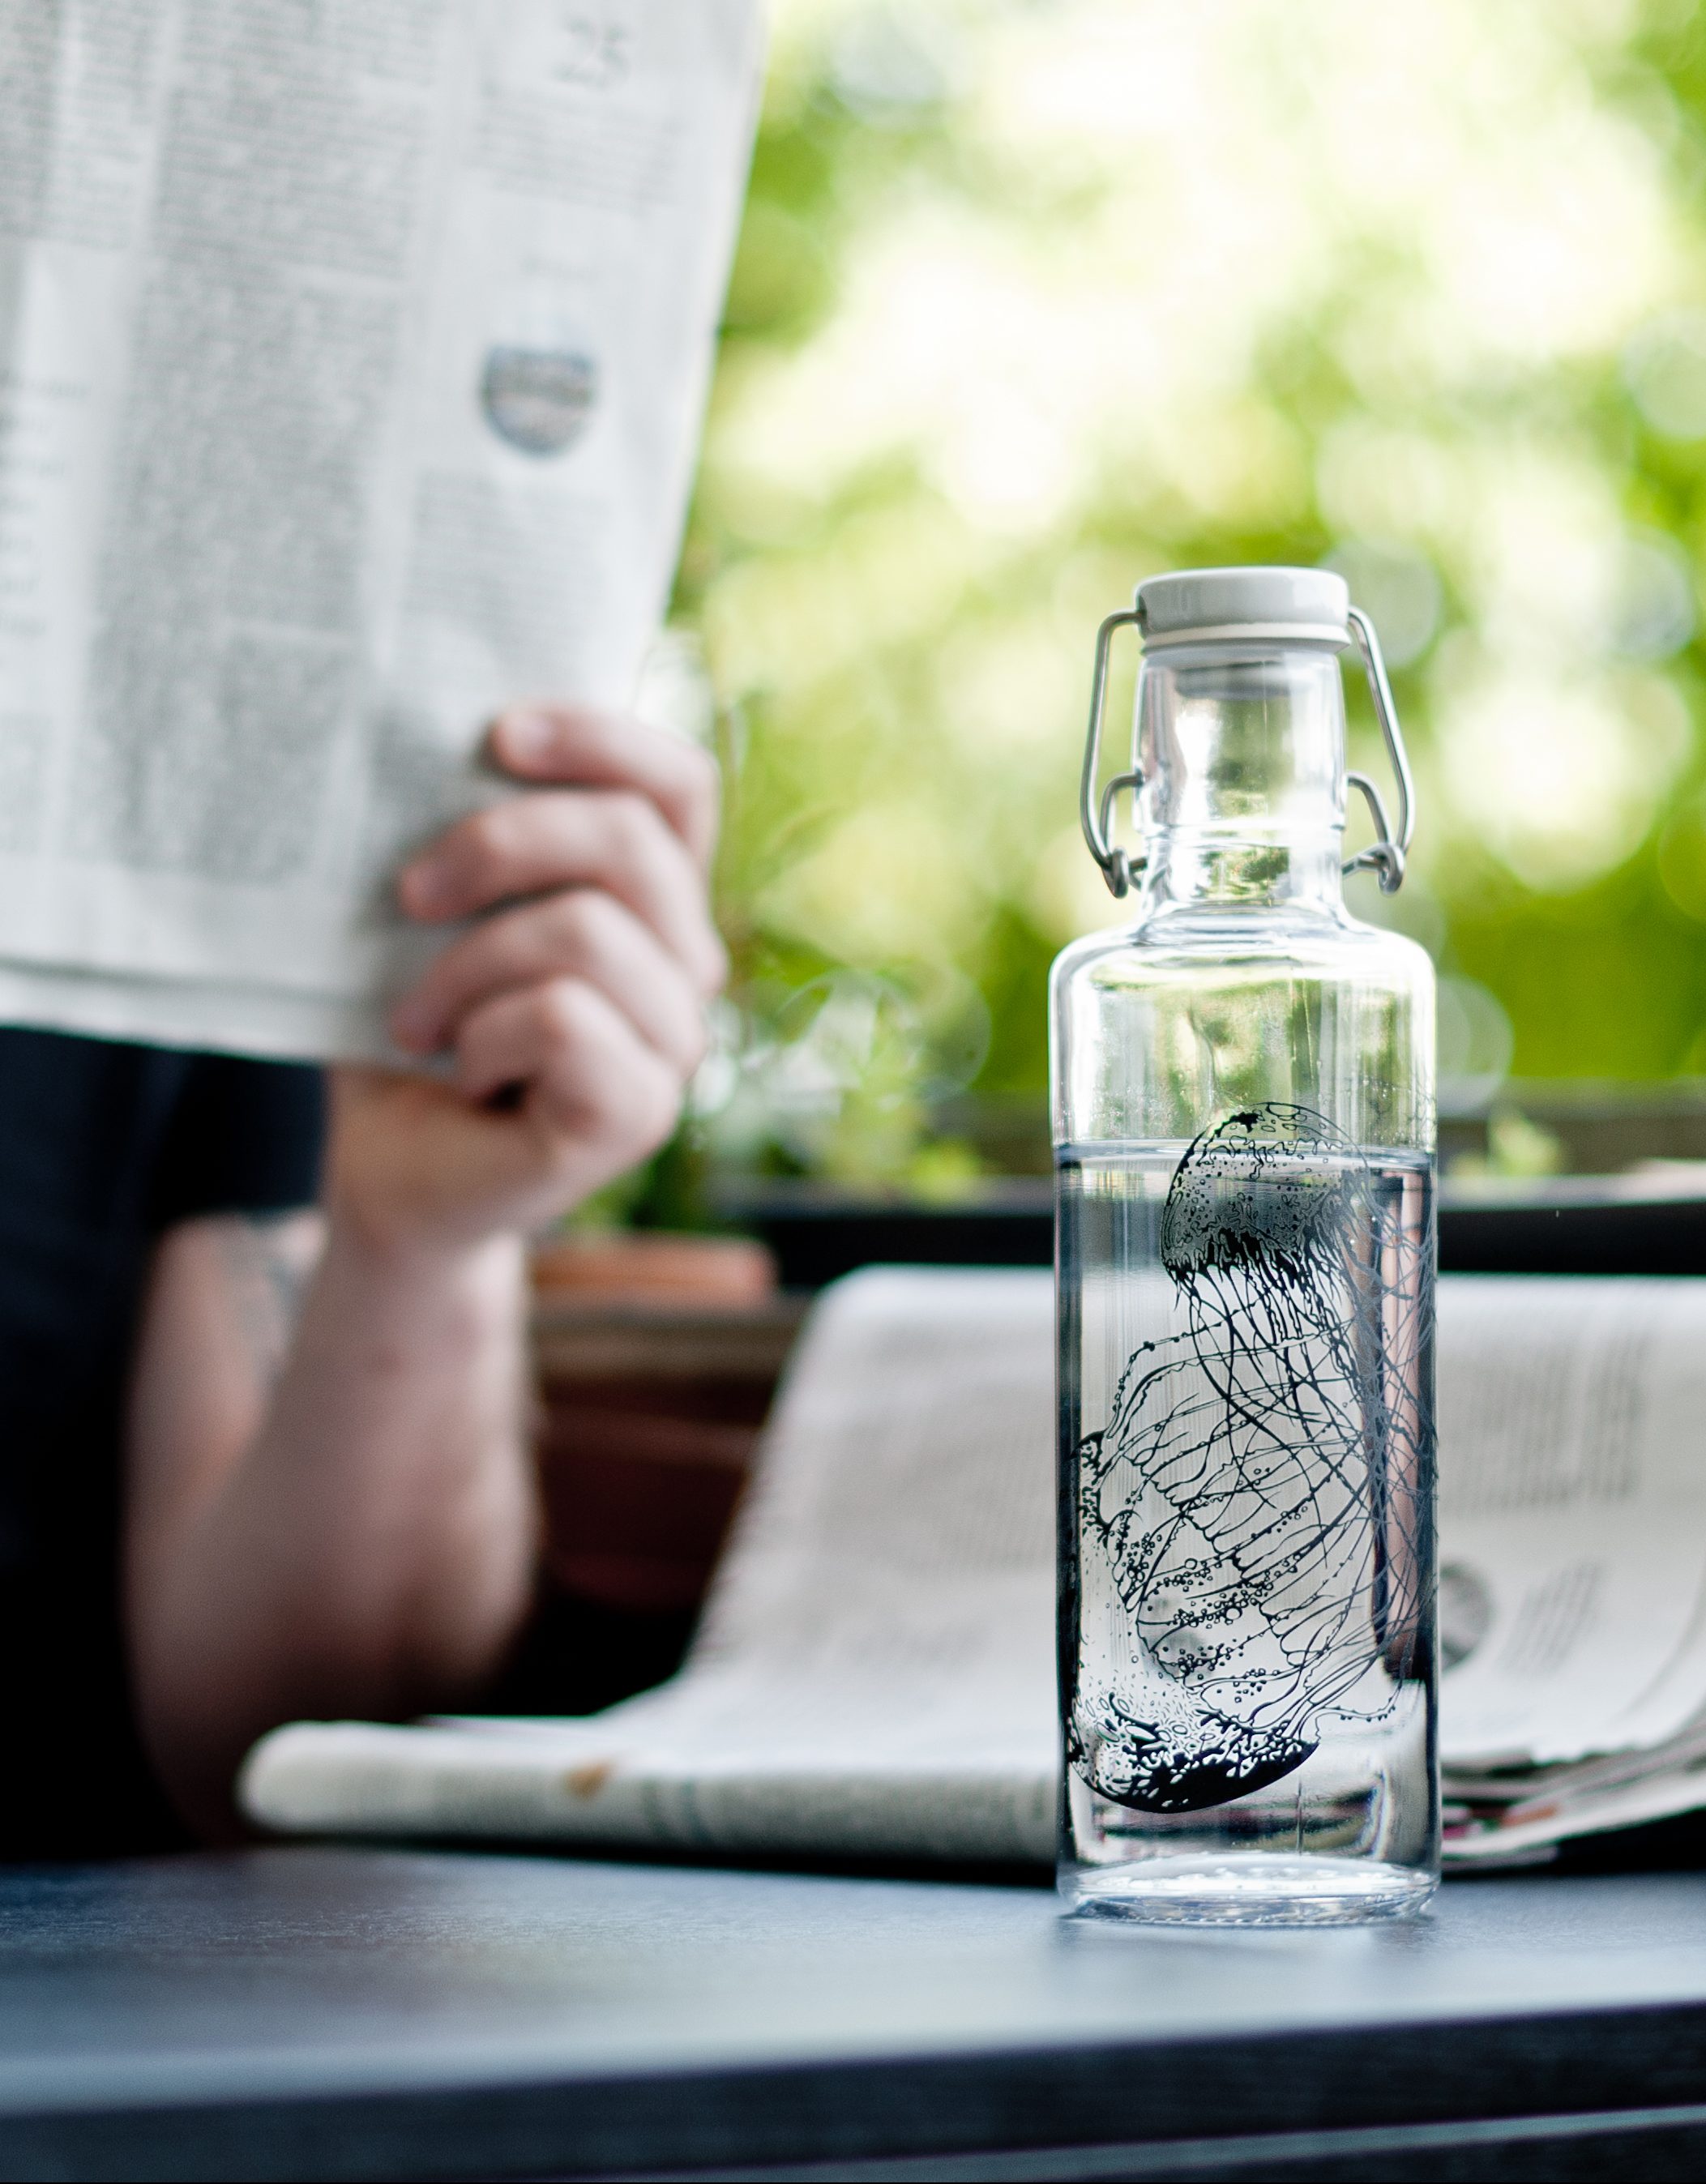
{"points": [[1033, 300]]}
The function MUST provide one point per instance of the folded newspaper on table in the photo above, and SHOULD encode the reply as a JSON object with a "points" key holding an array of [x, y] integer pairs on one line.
{"points": [[1572, 1419], [351, 365], [874, 1673]]}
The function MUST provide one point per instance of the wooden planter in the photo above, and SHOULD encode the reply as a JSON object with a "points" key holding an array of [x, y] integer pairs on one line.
{"points": [[657, 1358]]}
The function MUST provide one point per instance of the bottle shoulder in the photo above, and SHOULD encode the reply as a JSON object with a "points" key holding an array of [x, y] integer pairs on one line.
{"points": [[1194, 944]]}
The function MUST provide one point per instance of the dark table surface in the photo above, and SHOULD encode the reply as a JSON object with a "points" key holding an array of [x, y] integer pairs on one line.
{"points": [[320, 2011]]}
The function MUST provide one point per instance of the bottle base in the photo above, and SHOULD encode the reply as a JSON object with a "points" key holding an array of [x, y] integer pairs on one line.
{"points": [[1249, 1889]]}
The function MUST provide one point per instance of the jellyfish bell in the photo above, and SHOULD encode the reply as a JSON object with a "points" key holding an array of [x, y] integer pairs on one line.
{"points": [[1181, 1759], [1263, 1191]]}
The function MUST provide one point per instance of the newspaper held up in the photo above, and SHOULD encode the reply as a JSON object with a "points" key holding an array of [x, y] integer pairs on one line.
{"points": [[351, 366]]}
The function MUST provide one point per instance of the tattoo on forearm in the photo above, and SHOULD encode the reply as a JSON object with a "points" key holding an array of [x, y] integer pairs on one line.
{"points": [[270, 1258]]}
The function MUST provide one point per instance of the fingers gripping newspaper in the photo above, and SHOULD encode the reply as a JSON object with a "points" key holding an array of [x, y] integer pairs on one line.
{"points": [[875, 1670], [352, 357]]}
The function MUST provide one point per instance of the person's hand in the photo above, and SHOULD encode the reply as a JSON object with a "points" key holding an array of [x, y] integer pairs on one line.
{"points": [[572, 1014]]}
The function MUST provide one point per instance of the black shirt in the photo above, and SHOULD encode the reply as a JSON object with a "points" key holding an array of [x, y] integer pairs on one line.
{"points": [[103, 1146]]}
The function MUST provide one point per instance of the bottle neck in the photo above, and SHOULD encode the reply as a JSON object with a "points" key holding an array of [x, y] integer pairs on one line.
{"points": [[1243, 759], [1236, 873]]}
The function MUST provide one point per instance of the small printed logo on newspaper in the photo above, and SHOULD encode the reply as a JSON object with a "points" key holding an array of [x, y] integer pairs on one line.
{"points": [[538, 399]]}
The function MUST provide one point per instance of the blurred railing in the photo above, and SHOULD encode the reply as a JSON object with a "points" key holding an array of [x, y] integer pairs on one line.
{"points": [[657, 1358]]}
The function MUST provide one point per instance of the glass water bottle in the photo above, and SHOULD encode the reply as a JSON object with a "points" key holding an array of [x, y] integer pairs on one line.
{"points": [[1243, 1132]]}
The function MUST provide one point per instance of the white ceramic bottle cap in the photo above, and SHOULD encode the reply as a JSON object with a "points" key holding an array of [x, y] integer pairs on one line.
{"points": [[1209, 607]]}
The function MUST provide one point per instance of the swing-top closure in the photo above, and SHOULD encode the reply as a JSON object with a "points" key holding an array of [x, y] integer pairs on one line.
{"points": [[1235, 644]]}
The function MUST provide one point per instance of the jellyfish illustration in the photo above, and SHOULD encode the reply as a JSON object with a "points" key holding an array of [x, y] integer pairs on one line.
{"points": [[1248, 1518]]}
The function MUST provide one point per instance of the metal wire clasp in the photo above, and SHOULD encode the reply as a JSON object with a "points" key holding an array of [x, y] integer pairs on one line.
{"points": [[1384, 857], [1116, 868]]}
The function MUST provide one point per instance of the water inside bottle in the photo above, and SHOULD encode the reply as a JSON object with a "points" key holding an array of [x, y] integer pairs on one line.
{"points": [[1247, 1617]]}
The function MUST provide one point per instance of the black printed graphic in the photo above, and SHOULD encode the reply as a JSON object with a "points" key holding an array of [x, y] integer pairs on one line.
{"points": [[1257, 1498]]}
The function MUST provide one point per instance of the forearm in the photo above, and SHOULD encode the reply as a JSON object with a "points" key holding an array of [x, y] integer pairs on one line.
{"points": [[360, 1541], [369, 1550]]}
